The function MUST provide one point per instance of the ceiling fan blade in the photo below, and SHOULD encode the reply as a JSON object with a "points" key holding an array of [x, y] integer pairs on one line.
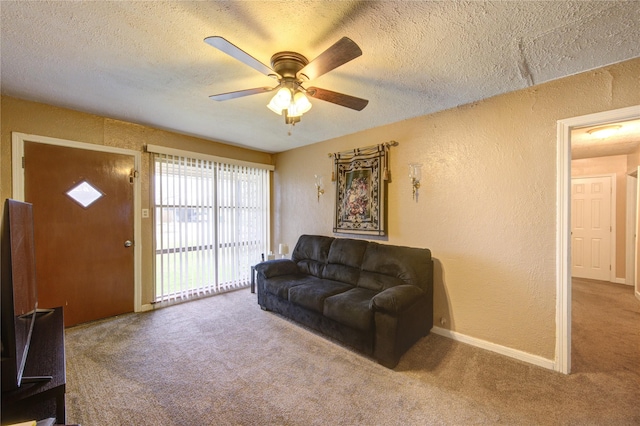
{"points": [[340, 53], [240, 93], [239, 54], [338, 98]]}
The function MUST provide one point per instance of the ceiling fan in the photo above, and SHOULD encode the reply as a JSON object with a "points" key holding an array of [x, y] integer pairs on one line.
{"points": [[292, 69]]}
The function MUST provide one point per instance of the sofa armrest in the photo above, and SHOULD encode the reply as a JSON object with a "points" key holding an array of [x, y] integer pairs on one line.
{"points": [[273, 268], [396, 299]]}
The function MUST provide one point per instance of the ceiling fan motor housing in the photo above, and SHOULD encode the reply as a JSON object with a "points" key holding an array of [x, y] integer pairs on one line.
{"points": [[287, 64]]}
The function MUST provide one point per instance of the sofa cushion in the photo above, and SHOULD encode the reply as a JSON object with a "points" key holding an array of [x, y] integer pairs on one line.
{"points": [[351, 308], [281, 284], [344, 260], [311, 267], [310, 253], [314, 291], [397, 299], [385, 266], [273, 268], [347, 252], [376, 281]]}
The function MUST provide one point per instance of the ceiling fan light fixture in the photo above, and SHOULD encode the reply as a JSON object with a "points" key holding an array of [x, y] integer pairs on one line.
{"points": [[300, 105], [271, 105], [604, 131], [289, 119], [282, 98]]}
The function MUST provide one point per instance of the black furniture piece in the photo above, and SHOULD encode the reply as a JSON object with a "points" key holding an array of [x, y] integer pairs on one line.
{"points": [[42, 397], [33, 359], [377, 298], [253, 279]]}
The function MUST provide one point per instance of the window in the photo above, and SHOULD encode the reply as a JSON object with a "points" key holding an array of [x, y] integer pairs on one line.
{"points": [[211, 224]]}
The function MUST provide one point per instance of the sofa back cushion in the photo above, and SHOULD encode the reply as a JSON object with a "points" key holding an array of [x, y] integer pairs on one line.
{"points": [[311, 253], [344, 260], [385, 266]]}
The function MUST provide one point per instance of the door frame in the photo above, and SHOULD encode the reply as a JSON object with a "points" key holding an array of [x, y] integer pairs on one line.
{"points": [[612, 220], [18, 139], [636, 281], [636, 284], [631, 218], [563, 224]]}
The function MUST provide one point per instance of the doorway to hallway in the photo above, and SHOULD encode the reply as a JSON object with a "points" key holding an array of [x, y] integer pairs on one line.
{"points": [[563, 246]]}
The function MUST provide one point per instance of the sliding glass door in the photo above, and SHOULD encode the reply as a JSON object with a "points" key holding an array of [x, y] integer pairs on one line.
{"points": [[211, 225]]}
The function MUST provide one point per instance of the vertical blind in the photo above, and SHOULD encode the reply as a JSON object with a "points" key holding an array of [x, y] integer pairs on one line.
{"points": [[211, 225]]}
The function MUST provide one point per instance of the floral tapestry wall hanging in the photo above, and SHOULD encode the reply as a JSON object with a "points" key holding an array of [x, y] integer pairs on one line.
{"points": [[361, 176]]}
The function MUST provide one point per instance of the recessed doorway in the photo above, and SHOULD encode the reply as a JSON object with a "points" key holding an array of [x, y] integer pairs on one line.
{"points": [[563, 246]]}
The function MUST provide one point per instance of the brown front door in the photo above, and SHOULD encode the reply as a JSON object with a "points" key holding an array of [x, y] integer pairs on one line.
{"points": [[83, 259]]}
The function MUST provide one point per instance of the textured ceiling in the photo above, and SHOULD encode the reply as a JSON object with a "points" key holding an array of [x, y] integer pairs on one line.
{"points": [[146, 62]]}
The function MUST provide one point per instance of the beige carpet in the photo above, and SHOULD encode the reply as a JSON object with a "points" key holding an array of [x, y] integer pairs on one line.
{"points": [[223, 361]]}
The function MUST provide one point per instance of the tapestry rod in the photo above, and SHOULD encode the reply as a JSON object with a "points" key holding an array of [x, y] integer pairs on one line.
{"points": [[357, 151]]}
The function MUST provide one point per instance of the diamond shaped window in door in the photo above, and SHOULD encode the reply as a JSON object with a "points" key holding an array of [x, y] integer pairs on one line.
{"points": [[84, 194]]}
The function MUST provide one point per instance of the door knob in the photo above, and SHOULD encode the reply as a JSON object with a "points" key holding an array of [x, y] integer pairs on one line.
{"points": [[128, 243]]}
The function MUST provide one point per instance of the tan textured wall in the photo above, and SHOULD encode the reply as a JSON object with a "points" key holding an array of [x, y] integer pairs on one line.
{"points": [[615, 164], [45, 120], [487, 206]]}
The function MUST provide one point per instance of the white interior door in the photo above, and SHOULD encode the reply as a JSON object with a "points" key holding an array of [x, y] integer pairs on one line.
{"points": [[637, 277], [630, 230], [591, 227]]}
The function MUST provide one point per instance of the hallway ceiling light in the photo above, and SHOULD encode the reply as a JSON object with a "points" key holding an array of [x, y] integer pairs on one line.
{"points": [[603, 132]]}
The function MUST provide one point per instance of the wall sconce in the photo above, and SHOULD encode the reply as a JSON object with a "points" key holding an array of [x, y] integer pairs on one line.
{"points": [[415, 174], [283, 250], [319, 186]]}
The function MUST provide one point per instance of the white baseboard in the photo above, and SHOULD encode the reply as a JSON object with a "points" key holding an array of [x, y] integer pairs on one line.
{"points": [[620, 281], [493, 347]]}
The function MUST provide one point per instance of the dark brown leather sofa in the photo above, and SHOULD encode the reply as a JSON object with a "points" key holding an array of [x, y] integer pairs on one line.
{"points": [[376, 298]]}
